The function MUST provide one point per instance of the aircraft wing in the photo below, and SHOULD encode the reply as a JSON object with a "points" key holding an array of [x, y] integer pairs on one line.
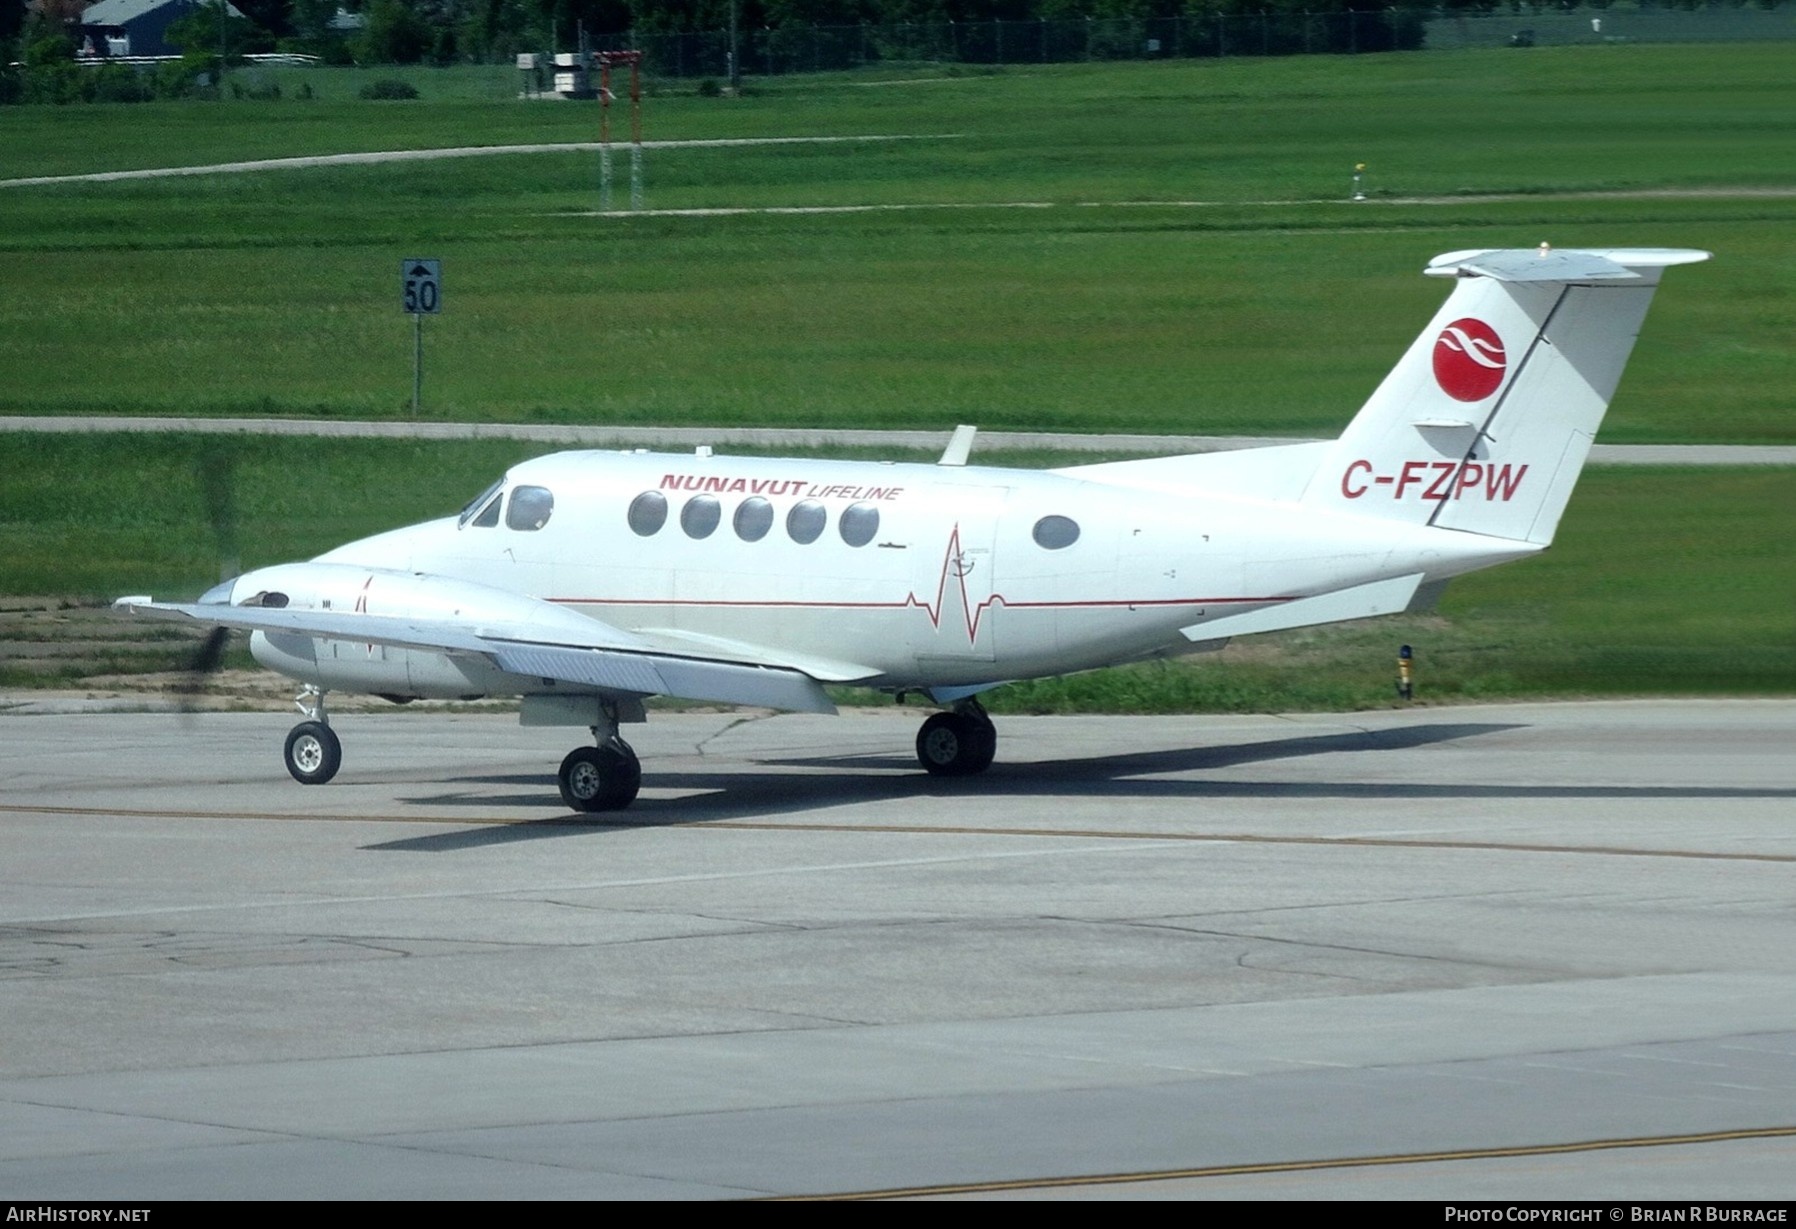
{"points": [[564, 646]]}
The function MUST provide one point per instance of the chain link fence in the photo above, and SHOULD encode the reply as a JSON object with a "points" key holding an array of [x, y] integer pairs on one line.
{"points": [[809, 49]]}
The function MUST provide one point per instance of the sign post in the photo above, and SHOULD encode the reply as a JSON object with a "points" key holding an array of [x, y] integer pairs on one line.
{"points": [[421, 294]]}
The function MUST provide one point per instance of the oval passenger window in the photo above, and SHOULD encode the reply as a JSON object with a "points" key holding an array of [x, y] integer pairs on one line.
{"points": [[700, 516], [648, 512], [754, 517], [804, 524], [859, 523], [1056, 532]]}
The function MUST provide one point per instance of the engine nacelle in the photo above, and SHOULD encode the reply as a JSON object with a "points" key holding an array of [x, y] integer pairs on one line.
{"points": [[343, 664]]}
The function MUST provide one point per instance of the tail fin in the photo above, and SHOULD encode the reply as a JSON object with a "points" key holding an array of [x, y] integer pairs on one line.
{"points": [[1485, 423]]}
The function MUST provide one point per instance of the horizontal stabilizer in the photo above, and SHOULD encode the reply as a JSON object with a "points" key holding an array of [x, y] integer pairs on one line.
{"points": [[1570, 266], [1381, 597], [1549, 266]]}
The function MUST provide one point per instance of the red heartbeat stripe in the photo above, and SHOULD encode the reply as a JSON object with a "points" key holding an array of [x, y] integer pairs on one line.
{"points": [[973, 613]]}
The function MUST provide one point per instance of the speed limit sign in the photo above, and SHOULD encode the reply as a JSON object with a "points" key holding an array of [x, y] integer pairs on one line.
{"points": [[421, 286]]}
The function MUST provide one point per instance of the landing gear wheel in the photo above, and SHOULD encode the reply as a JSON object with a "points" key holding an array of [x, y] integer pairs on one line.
{"points": [[313, 753], [600, 778], [956, 744]]}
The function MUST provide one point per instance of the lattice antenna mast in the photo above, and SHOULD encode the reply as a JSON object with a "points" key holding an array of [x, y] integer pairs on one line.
{"points": [[606, 60]]}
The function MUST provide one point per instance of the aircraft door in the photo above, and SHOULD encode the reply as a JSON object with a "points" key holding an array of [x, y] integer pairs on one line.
{"points": [[952, 574]]}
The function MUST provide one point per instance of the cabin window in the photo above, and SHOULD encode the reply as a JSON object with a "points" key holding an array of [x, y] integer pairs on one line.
{"points": [[484, 499], [700, 516], [1056, 532], [804, 524], [648, 512], [530, 508], [858, 524], [754, 517]]}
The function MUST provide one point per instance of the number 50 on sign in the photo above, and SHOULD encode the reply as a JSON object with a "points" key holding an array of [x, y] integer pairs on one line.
{"points": [[421, 286]]}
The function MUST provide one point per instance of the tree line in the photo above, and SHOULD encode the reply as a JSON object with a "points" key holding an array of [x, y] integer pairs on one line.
{"points": [[38, 33]]}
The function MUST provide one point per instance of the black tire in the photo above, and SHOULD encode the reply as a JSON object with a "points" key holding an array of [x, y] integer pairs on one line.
{"points": [[313, 753], [600, 778], [956, 745]]}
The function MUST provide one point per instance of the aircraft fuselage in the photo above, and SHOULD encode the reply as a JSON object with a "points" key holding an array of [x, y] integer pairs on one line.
{"points": [[902, 575]]}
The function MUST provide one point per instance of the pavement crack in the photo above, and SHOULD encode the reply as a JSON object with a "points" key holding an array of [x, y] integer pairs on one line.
{"points": [[1313, 945], [736, 723]]}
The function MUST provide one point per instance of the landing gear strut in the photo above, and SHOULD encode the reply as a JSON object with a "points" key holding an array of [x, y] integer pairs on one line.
{"points": [[605, 777], [313, 751], [958, 743]]}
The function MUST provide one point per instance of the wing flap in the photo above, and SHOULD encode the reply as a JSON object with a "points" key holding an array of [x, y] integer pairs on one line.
{"points": [[685, 644], [649, 674]]}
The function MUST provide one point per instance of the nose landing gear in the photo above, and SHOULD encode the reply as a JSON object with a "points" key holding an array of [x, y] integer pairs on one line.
{"points": [[313, 751]]}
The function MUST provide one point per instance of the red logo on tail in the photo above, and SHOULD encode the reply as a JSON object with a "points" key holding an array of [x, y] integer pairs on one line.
{"points": [[1469, 360]]}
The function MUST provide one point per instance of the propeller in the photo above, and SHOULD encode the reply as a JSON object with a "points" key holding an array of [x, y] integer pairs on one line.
{"points": [[215, 470], [201, 666]]}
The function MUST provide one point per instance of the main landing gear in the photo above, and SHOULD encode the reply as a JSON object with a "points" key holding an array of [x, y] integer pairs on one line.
{"points": [[958, 743], [313, 751], [605, 777], [601, 778]]}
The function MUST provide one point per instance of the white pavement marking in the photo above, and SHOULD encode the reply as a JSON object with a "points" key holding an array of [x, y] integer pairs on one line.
{"points": [[734, 211], [729, 211], [429, 155]]}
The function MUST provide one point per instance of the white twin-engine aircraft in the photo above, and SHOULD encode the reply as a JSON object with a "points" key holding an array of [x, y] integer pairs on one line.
{"points": [[586, 581]]}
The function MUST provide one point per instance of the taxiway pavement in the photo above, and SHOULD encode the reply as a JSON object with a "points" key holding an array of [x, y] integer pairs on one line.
{"points": [[1193, 947]]}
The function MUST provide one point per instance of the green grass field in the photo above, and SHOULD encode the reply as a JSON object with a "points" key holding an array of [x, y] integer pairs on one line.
{"points": [[1274, 310], [1273, 307]]}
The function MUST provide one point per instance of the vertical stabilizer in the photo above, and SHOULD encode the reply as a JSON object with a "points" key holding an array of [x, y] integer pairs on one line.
{"points": [[1485, 423]]}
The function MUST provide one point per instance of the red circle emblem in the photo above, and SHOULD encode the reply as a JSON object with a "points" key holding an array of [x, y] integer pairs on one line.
{"points": [[1469, 360]]}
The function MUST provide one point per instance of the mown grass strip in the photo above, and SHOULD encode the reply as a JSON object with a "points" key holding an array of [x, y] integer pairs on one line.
{"points": [[1274, 310]]}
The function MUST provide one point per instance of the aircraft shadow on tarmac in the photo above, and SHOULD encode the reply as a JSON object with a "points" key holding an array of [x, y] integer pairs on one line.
{"points": [[839, 780]]}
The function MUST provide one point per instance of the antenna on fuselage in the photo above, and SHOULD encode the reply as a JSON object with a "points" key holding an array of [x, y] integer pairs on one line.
{"points": [[960, 445]]}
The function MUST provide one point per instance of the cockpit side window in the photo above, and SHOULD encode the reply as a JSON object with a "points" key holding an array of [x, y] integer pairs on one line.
{"points": [[484, 499], [529, 508]]}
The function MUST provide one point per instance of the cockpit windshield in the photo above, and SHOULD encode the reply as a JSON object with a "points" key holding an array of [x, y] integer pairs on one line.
{"points": [[480, 501]]}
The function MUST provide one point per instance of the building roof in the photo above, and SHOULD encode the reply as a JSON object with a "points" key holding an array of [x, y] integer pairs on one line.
{"points": [[118, 12]]}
